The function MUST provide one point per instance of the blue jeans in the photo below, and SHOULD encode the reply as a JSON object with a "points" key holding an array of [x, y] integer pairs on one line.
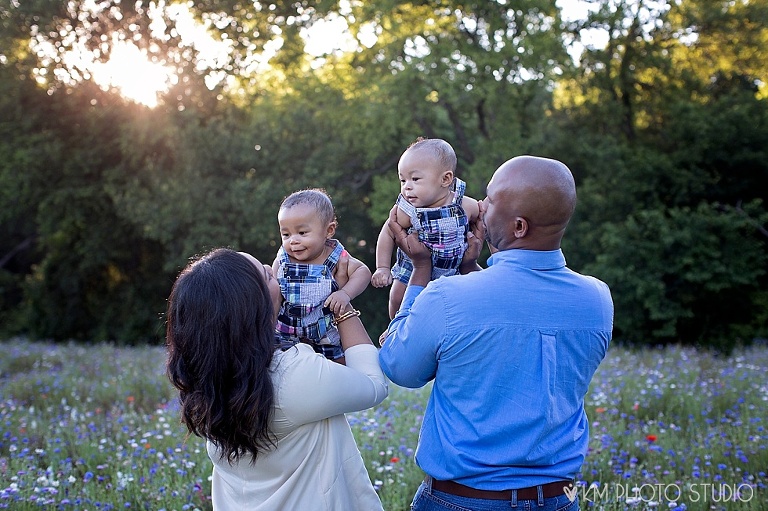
{"points": [[427, 499]]}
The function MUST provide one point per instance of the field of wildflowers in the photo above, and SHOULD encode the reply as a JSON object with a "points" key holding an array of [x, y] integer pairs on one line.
{"points": [[97, 428]]}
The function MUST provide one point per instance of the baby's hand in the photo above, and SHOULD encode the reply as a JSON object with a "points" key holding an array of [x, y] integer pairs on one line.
{"points": [[337, 301], [382, 277]]}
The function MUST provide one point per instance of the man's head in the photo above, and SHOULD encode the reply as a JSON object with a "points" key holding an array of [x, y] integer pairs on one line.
{"points": [[529, 202]]}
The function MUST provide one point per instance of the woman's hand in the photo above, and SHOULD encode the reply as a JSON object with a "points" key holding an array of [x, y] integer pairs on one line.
{"points": [[341, 272]]}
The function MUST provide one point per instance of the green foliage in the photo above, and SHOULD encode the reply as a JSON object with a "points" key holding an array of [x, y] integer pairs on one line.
{"points": [[682, 265], [25, 151], [71, 269], [722, 143], [674, 273], [184, 181]]}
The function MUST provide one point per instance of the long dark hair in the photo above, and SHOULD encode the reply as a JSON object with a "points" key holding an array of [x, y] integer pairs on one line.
{"points": [[220, 341]]}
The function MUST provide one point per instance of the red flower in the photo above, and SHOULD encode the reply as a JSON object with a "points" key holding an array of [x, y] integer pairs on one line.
{"points": [[650, 438], [394, 459], [600, 409]]}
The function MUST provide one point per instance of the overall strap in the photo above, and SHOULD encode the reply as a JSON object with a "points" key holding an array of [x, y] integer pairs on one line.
{"points": [[459, 187], [408, 208], [282, 257], [333, 258]]}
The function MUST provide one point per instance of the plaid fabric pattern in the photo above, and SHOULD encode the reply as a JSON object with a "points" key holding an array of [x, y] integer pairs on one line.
{"points": [[302, 317], [443, 230], [330, 351]]}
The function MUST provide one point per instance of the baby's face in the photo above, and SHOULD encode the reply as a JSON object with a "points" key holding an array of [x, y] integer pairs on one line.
{"points": [[423, 181], [303, 233]]}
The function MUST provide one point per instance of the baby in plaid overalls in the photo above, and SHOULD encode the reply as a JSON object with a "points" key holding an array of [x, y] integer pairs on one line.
{"points": [[431, 202], [306, 269]]}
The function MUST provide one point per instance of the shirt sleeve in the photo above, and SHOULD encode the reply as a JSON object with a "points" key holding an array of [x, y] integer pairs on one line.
{"points": [[409, 353], [320, 388]]}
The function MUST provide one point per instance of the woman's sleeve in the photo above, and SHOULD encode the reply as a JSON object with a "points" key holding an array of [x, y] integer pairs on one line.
{"points": [[318, 388]]}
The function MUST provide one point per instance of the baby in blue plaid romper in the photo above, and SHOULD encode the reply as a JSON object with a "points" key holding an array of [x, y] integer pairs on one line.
{"points": [[432, 202], [306, 267]]}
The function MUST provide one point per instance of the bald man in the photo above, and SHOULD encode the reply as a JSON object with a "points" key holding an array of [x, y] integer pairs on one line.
{"points": [[511, 350]]}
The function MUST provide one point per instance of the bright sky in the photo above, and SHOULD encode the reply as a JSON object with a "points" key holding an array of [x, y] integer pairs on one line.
{"points": [[137, 78], [141, 80], [129, 69], [572, 10]]}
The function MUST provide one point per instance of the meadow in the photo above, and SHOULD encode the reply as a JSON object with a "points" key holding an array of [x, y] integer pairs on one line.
{"points": [[96, 427]]}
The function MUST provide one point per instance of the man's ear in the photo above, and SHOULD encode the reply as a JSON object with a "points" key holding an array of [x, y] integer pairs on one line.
{"points": [[447, 179], [520, 227]]}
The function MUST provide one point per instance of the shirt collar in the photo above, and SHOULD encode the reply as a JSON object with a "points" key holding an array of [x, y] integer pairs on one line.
{"points": [[533, 259]]}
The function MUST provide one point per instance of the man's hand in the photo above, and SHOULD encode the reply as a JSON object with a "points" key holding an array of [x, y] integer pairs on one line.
{"points": [[475, 240], [409, 243], [418, 252]]}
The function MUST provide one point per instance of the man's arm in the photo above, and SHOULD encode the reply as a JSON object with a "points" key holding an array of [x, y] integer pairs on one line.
{"points": [[409, 352], [408, 355]]}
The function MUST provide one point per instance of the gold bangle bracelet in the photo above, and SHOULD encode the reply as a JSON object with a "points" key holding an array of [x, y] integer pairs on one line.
{"points": [[349, 314]]}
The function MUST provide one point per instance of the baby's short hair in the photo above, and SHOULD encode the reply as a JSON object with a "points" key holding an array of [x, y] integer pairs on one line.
{"points": [[314, 197], [440, 149]]}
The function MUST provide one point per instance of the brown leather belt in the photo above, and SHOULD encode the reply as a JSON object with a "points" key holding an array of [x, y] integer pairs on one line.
{"points": [[531, 493]]}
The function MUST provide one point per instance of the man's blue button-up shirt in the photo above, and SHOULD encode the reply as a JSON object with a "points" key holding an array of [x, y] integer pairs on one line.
{"points": [[511, 350]]}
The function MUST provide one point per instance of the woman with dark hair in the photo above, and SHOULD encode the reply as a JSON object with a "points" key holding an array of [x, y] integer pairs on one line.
{"points": [[273, 420]]}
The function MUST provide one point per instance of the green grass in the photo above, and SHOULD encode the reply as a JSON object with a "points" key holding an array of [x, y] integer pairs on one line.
{"points": [[97, 428]]}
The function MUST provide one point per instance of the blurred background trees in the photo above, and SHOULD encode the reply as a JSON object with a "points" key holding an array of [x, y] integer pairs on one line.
{"points": [[659, 109]]}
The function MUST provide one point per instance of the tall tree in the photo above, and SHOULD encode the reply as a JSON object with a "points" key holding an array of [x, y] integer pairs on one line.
{"points": [[477, 74], [671, 160]]}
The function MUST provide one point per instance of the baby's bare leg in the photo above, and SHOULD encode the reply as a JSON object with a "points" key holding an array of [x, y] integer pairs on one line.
{"points": [[396, 297]]}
